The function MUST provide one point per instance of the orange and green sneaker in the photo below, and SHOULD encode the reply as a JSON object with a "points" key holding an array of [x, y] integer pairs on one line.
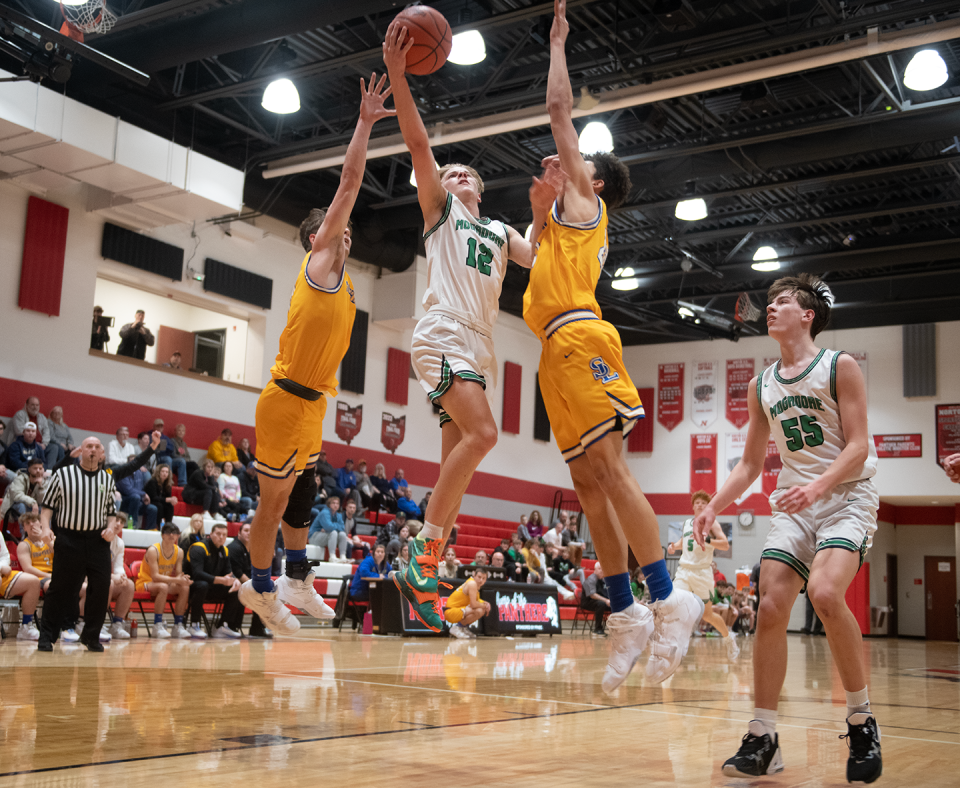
{"points": [[419, 583]]}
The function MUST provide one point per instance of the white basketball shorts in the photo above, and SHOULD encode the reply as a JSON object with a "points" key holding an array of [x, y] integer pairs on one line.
{"points": [[698, 582]]}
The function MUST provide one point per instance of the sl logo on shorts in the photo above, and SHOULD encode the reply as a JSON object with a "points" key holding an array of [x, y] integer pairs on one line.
{"points": [[602, 372]]}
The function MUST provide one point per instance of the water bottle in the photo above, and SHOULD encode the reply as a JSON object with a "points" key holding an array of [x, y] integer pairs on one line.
{"points": [[133, 627]]}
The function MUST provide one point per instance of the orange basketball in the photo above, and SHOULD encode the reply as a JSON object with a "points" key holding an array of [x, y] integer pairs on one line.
{"points": [[432, 38]]}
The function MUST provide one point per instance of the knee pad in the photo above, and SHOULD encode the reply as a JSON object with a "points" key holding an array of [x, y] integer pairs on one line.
{"points": [[297, 514]]}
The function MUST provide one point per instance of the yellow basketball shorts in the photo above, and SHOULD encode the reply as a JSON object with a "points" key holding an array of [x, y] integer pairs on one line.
{"points": [[289, 432], [585, 386], [7, 583], [454, 615]]}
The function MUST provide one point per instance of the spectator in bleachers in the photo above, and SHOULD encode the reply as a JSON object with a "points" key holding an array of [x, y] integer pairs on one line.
{"points": [[402, 561], [554, 537], [208, 564], [222, 449], [134, 500], [389, 535], [25, 448], [595, 599], [638, 586], [447, 568], [159, 489], [347, 482], [522, 528], [326, 479], [193, 534], [143, 442], [61, 439], [327, 530], [15, 583], [516, 557], [244, 454], [575, 554], [718, 576], [551, 574], [29, 412], [503, 547], [250, 485], [388, 501], [120, 449], [203, 490], [369, 495], [535, 526], [570, 533], [181, 450], [35, 552], [498, 560], [161, 575], [533, 550], [99, 335], [167, 454], [373, 566], [407, 505], [175, 361], [135, 337], [744, 610], [231, 491], [121, 586], [350, 527], [481, 558], [240, 562], [25, 492], [398, 482], [424, 502], [403, 537]]}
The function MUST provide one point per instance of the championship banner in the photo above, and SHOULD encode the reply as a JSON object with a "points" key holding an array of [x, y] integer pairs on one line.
{"points": [[948, 431], [392, 429], [670, 395], [899, 445], [739, 373], [349, 421], [703, 462], [704, 390], [771, 468]]}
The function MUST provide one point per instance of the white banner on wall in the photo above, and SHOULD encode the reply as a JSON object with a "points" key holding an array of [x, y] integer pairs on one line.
{"points": [[733, 446], [703, 392]]}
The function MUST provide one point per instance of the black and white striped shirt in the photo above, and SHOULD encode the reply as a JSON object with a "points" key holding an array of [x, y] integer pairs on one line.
{"points": [[81, 499]]}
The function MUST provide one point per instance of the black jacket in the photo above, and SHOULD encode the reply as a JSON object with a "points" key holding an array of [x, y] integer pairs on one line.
{"points": [[239, 559], [199, 481], [205, 561]]}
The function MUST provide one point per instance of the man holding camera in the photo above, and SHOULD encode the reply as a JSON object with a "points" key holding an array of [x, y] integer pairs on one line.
{"points": [[135, 338], [99, 335]]}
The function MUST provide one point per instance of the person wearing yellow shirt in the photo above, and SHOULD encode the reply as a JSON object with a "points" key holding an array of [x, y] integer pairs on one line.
{"points": [[222, 449], [464, 605]]}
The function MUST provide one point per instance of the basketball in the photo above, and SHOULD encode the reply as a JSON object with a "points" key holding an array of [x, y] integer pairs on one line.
{"points": [[432, 38]]}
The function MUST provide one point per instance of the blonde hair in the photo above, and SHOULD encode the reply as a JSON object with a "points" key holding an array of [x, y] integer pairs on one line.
{"points": [[447, 167]]}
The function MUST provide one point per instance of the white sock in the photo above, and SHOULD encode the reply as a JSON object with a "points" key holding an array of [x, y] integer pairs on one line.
{"points": [[431, 532], [767, 719], [858, 703]]}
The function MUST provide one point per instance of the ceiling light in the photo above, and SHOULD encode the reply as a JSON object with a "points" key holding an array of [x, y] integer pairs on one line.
{"points": [[595, 138], [925, 71], [765, 259], [625, 272], [281, 97], [75, 2], [467, 49], [691, 210], [765, 253], [625, 284], [769, 265], [685, 312]]}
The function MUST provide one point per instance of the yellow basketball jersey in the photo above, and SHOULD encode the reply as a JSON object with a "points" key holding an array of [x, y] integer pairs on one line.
{"points": [[41, 556], [459, 597], [319, 324], [164, 564], [565, 272]]}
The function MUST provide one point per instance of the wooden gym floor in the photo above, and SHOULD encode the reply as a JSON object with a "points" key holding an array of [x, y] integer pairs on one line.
{"points": [[332, 709]]}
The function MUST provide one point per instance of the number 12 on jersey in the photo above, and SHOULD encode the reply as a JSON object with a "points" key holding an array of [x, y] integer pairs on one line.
{"points": [[481, 262]]}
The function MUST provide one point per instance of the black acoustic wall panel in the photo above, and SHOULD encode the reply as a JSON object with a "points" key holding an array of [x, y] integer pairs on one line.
{"points": [[141, 252], [920, 360], [353, 370], [233, 282], [541, 421]]}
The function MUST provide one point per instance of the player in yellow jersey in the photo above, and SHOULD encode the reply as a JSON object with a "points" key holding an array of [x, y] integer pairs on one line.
{"points": [[591, 402], [291, 408], [464, 605], [22, 584]]}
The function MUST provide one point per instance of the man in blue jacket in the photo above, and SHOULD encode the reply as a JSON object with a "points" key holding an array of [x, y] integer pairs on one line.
{"points": [[327, 530], [347, 481], [133, 499], [24, 448]]}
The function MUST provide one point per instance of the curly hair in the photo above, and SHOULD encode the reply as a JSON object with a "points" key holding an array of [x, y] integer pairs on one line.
{"points": [[615, 176], [811, 292], [700, 495], [311, 224]]}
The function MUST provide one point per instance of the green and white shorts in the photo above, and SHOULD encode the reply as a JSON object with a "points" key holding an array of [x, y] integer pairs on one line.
{"points": [[844, 519]]}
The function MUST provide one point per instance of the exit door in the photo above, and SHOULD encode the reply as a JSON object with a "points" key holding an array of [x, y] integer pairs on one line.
{"points": [[940, 578]]}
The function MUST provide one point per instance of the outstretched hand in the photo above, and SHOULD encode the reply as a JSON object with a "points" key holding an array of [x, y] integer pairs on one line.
{"points": [[952, 466], [371, 106], [545, 189], [155, 439], [702, 524], [560, 28], [396, 44]]}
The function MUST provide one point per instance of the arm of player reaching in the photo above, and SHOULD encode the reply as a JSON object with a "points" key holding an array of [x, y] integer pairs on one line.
{"points": [[579, 199], [852, 399], [432, 196], [520, 250], [718, 539], [744, 472], [330, 235]]}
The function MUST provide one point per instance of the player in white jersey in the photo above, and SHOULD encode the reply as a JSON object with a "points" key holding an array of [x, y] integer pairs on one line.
{"points": [[695, 573], [814, 402], [452, 345]]}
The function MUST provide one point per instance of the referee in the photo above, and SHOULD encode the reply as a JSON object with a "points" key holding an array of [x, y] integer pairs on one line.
{"points": [[82, 497]]}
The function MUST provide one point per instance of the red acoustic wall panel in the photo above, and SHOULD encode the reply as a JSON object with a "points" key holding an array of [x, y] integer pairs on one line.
{"points": [[641, 439], [512, 375], [858, 598], [44, 247], [398, 375]]}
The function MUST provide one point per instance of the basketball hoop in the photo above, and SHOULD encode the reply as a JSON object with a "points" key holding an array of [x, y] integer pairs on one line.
{"points": [[91, 17], [747, 311]]}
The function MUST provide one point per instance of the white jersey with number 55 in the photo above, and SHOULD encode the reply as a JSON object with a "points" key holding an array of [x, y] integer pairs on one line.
{"points": [[466, 261], [805, 422]]}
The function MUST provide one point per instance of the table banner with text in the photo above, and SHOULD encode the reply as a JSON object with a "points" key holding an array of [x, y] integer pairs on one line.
{"points": [[899, 445], [670, 395], [703, 388], [948, 431], [739, 373], [703, 462], [771, 468]]}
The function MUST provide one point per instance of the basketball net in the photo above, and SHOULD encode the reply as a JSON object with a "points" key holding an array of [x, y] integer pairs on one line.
{"points": [[91, 17], [747, 311]]}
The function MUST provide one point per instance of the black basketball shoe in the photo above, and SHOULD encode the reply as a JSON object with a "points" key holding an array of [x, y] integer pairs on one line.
{"points": [[759, 754], [864, 764]]}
